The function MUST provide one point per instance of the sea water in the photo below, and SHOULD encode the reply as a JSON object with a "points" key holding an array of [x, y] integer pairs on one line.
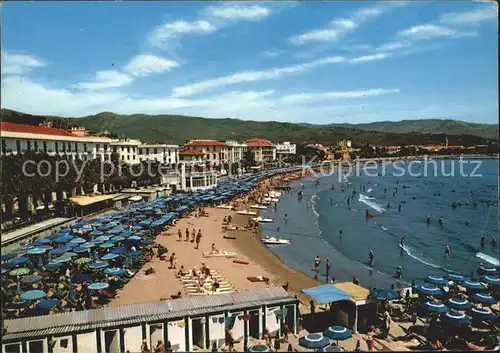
{"points": [[313, 223]]}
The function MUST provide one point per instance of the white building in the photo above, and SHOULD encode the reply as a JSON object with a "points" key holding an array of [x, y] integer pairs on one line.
{"points": [[127, 150], [236, 151], [285, 150], [162, 153], [216, 152], [21, 138], [262, 150]]}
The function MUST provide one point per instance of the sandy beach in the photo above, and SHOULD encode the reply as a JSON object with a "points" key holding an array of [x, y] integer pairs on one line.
{"points": [[247, 245]]}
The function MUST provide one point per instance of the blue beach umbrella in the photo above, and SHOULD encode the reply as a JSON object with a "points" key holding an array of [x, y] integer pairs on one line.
{"points": [[118, 250], [48, 304], [106, 245], [46, 247], [82, 277], [455, 318], [135, 253], [54, 265], [492, 281], [98, 286], [332, 349], [65, 230], [36, 251], [19, 260], [29, 279], [8, 257], [78, 240], [96, 233], [259, 348], [81, 249], [98, 265], [58, 251], [440, 281], [109, 256], [44, 241], [384, 294], [89, 244], [338, 333], [435, 307], [459, 304], [314, 341], [114, 271], [491, 271], [148, 242], [26, 247], [482, 314], [33, 295], [17, 305], [471, 285], [483, 298], [19, 251], [429, 290]]}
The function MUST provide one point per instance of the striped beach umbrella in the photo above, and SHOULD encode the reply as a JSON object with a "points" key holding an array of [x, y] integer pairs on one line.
{"points": [[455, 318], [22, 271], [83, 260], [440, 281], [459, 304], [435, 307], [483, 298], [429, 290], [314, 341], [471, 285], [489, 280], [259, 348], [482, 314], [338, 333]]}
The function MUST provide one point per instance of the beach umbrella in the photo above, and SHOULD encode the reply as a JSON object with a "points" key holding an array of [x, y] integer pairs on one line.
{"points": [[440, 281], [455, 318], [82, 277], [29, 279], [107, 245], [332, 349], [62, 240], [135, 253], [491, 271], [22, 271], [483, 298], [96, 233], [314, 341], [338, 333], [44, 241], [459, 304], [78, 241], [98, 286], [65, 230], [34, 294], [383, 294], [19, 260], [98, 265], [83, 260], [81, 249], [109, 256], [46, 247], [70, 246], [134, 237], [114, 271], [26, 247], [259, 348], [472, 285], [19, 251], [8, 257], [119, 250], [58, 251], [429, 290], [492, 281], [54, 265], [17, 305], [48, 304], [482, 314], [148, 242], [69, 254], [435, 307], [118, 238], [89, 244]]}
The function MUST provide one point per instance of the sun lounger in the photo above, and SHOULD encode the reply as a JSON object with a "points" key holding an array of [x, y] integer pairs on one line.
{"points": [[228, 254], [258, 279]]}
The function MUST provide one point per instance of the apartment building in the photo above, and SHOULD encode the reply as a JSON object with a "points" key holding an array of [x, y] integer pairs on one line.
{"points": [[191, 156], [236, 151], [127, 150], [21, 138], [262, 150], [162, 153], [215, 152], [285, 150]]}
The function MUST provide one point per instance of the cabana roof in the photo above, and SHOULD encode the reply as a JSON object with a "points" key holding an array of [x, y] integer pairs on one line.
{"points": [[134, 313], [89, 200], [355, 291], [326, 293]]}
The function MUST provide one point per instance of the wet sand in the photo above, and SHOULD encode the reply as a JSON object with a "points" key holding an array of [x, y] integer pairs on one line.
{"points": [[262, 262]]}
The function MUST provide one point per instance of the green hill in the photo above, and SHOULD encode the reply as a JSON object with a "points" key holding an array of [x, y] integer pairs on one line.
{"points": [[178, 129]]}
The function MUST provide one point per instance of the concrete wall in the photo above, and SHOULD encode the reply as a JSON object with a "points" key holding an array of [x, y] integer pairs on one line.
{"points": [[239, 326], [155, 332], [216, 329], [132, 338], [177, 336], [272, 321], [86, 342], [63, 344]]}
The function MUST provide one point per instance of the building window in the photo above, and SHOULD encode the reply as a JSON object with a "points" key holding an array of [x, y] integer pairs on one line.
{"points": [[123, 158], [140, 151], [57, 147], [35, 143], [64, 147], [4, 146], [114, 149], [84, 147], [123, 148], [105, 148], [97, 147], [147, 150], [128, 157], [45, 146], [13, 348], [76, 147], [128, 149], [155, 150], [69, 147], [28, 145]]}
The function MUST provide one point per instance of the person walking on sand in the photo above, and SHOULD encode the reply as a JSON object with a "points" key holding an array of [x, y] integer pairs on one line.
{"points": [[187, 235], [193, 235], [179, 234], [370, 343], [198, 239], [317, 261]]}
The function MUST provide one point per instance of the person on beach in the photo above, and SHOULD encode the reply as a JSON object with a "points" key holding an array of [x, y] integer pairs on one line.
{"points": [[286, 217], [399, 272], [312, 307], [328, 266], [428, 219], [355, 280], [198, 239], [179, 234], [370, 343], [144, 346], [440, 221], [160, 348], [173, 261], [193, 235], [187, 235], [317, 261]]}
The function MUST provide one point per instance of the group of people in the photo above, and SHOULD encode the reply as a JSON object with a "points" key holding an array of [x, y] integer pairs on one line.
{"points": [[194, 238]]}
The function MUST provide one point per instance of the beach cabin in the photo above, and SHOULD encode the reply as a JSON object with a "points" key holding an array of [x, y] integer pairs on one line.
{"points": [[189, 323]]}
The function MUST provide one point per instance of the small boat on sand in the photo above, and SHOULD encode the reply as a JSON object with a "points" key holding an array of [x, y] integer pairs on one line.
{"points": [[275, 241], [262, 219], [247, 213], [259, 207]]}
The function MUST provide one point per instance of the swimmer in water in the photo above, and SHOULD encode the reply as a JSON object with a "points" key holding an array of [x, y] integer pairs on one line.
{"points": [[371, 255], [388, 206], [483, 240], [428, 219], [340, 233], [286, 216], [401, 242], [399, 272], [447, 251], [399, 208], [440, 220], [494, 241], [467, 223]]}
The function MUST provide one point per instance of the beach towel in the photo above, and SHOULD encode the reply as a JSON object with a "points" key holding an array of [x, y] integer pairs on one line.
{"points": [[227, 254], [258, 279]]}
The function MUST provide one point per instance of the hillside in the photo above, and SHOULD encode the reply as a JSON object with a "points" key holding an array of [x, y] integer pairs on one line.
{"points": [[452, 127], [178, 129]]}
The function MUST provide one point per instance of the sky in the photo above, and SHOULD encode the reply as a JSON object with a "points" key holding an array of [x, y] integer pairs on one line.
{"points": [[313, 62]]}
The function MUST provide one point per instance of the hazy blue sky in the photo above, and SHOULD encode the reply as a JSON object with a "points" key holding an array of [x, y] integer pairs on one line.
{"points": [[316, 62]]}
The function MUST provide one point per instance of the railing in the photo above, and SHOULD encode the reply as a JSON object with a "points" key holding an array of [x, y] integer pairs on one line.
{"points": [[13, 227]]}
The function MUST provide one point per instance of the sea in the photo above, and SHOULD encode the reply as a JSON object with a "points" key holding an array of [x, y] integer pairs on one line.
{"points": [[398, 197]]}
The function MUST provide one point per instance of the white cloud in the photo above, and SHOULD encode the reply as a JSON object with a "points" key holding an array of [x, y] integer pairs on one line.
{"points": [[391, 46], [235, 11], [251, 76], [148, 64], [487, 12], [18, 64], [311, 97], [373, 57], [431, 31], [271, 53], [106, 79], [176, 29], [339, 27]]}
